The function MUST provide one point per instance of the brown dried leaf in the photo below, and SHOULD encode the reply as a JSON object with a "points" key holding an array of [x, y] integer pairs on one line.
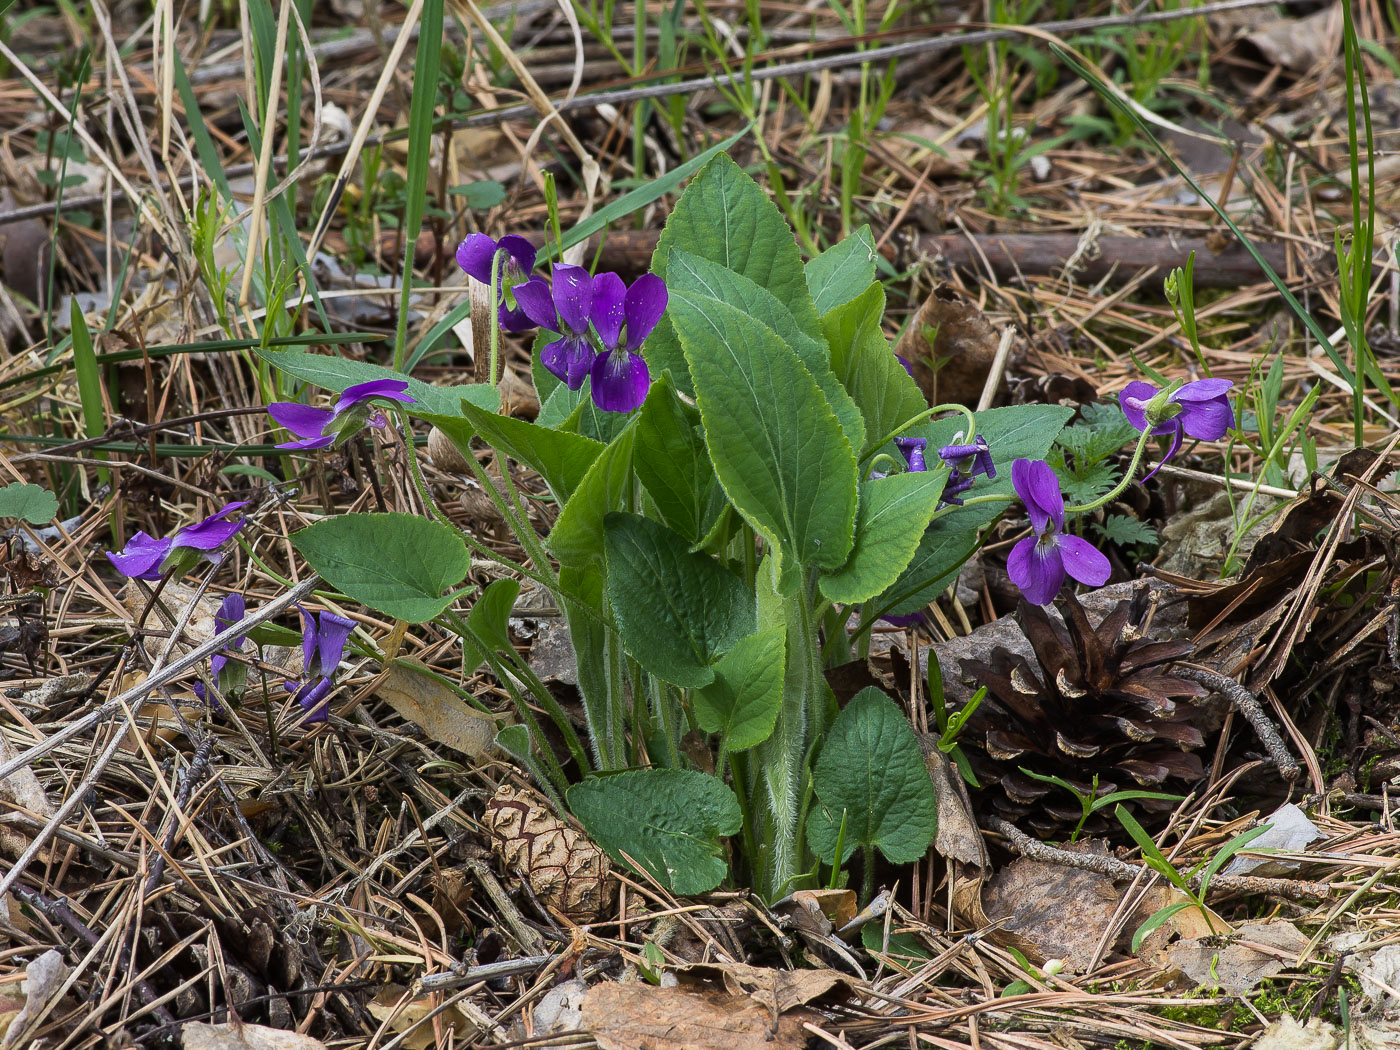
{"points": [[233, 1036], [388, 1006], [958, 836], [1051, 911], [951, 347], [42, 985], [642, 1017], [1258, 950], [563, 867], [780, 990], [23, 789], [426, 702]]}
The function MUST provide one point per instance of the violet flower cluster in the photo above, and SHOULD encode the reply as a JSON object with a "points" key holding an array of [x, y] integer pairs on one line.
{"points": [[966, 463], [1039, 564], [1200, 410], [147, 558], [600, 321]]}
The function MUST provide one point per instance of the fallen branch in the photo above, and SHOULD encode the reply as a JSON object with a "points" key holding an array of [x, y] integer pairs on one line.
{"points": [[1114, 868], [1247, 704]]}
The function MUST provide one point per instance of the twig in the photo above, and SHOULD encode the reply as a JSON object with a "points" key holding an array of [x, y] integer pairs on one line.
{"points": [[1294, 889], [462, 975], [1247, 704], [193, 775]]}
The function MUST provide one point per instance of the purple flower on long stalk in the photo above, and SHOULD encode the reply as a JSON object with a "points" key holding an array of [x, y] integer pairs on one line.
{"points": [[1200, 410], [146, 557], [323, 640], [229, 675], [1038, 564], [913, 451], [477, 254], [623, 317], [970, 459], [564, 310], [323, 427]]}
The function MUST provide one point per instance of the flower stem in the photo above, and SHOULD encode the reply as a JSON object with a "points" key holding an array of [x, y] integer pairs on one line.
{"points": [[915, 420], [496, 261], [1117, 489]]}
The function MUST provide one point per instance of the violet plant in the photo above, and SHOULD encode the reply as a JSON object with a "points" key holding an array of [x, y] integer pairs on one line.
{"points": [[748, 480]]}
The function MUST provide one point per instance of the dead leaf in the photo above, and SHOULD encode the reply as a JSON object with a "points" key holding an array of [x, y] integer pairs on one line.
{"points": [[23, 789], [175, 598], [837, 905], [452, 893], [402, 1017], [41, 987], [158, 719], [199, 1036], [951, 347], [1288, 1034], [1235, 965], [1050, 911], [781, 990], [1187, 924], [426, 702], [958, 836], [643, 1017]]}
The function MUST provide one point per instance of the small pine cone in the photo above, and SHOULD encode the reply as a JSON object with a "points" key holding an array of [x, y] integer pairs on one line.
{"points": [[563, 867]]}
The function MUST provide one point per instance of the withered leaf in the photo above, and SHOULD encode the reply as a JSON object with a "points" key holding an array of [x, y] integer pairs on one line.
{"points": [[643, 1017], [780, 990], [1258, 950], [423, 700], [199, 1036]]}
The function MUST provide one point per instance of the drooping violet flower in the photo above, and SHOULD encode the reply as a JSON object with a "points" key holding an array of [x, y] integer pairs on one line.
{"points": [[978, 451], [323, 640], [955, 486], [229, 676], [1200, 410], [913, 452], [323, 427], [475, 256], [1038, 564], [623, 317], [145, 557], [908, 365], [566, 311]]}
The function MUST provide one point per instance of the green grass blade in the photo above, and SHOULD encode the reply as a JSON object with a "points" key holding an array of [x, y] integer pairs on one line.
{"points": [[89, 383], [420, 138]]}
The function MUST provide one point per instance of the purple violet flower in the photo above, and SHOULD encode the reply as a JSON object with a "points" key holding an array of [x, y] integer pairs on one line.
{"points": [[323, 640], [1038, 564], [1201, 410], [623, 317], [323, 427], [566, 311], [144, 557], [913, 452], [231, 610], [955, 486], [475, 256], [978, 451], [908, 365]]}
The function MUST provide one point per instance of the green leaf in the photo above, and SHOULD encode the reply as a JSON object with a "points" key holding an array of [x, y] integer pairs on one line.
{"points": [[489, 619], [726, 217], [743, 701], [940, 554], [691, 273], [561, 458], [865, 365], [677, 612], [667, 820], [397, 564], [843, 271], [904, 945], [479, 195], [577, 537], [777, 447], [337, 373], [1158, 917], [871, 770], [673, 465], [1126, 531], [33, 503], [893, 514]]}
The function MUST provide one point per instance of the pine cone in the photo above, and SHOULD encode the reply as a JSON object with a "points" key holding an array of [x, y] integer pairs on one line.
{"points": [[563, 867], [1103, 701]]}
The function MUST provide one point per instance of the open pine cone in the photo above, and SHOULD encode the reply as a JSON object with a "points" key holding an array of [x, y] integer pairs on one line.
{"points": [[1103, 701]]}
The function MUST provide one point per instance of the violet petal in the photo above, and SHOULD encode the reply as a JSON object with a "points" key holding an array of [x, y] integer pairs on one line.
{"points": [[1203, 390], [312, 698], [620, 381], [568, 360], [1207, 420], [302, 420], [520, 258], [1037, 569], [608, 313], [913, 452], [213, 532], [474, 256], [1132, 399], [1039, 490], [646, 302], [1085, 562], [390, 389], [141, 557], [537, 303], [331, 634], [573, 296]]}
